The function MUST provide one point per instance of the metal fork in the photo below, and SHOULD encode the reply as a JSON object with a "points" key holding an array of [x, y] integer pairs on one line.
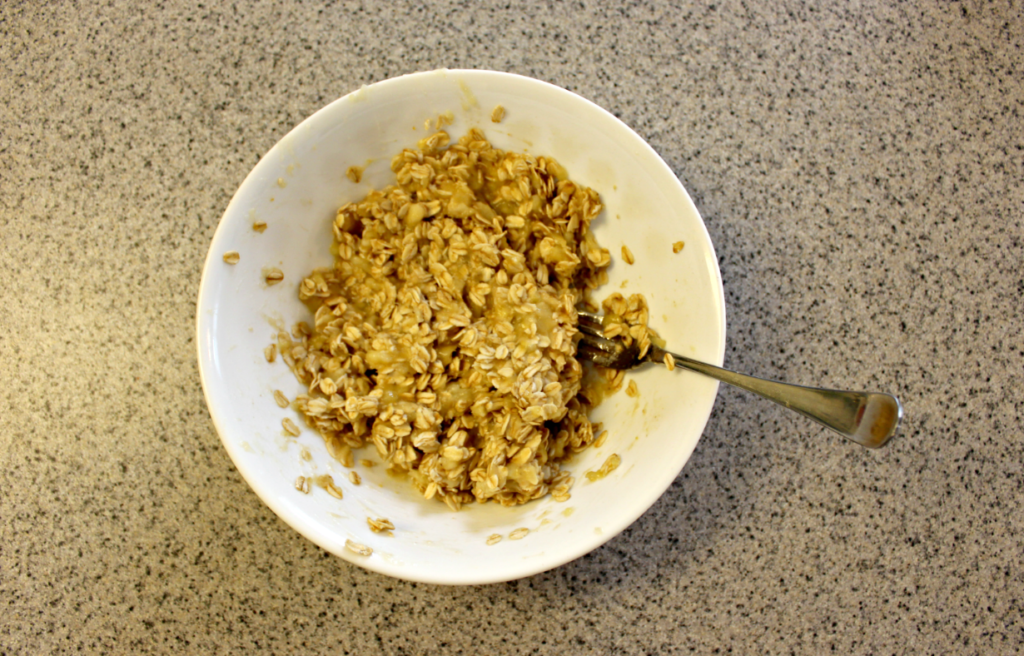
{"points": [[867, 418]]}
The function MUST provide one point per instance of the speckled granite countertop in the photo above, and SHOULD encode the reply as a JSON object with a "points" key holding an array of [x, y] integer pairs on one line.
{"points": [[861, 172]]}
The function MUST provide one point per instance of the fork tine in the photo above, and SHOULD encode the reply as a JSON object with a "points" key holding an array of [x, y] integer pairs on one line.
{"points": [[604, 352], [590, 323], [589, 350], [599, 343], [601, 350]]}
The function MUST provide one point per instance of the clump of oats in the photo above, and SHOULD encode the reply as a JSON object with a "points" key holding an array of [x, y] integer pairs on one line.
{"points": [[232, 257], [610, 465], [340, 451], [380, 525], [444, 333], [626, 319], [560, 493]]}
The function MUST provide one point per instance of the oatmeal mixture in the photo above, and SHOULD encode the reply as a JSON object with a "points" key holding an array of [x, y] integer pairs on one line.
{"points": [[444, 332]]}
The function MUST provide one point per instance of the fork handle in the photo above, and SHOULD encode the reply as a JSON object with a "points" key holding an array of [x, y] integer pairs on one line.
{"points": [[867, 418]]}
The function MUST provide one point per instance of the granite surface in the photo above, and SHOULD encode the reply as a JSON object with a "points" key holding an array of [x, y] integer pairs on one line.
{"points": [[860, 169]]}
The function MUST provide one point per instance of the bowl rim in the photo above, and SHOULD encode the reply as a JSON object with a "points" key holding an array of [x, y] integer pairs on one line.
{"points": [[383, 566]]}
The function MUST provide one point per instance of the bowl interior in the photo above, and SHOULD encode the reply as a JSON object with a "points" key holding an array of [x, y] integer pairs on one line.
{"points": [[296, 189]]}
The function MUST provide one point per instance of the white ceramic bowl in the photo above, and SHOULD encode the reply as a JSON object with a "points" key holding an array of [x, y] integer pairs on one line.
{"points": [[296, 189]]}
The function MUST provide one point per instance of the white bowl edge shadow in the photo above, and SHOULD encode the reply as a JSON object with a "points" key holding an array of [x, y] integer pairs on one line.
{"points": [[474, 91]]}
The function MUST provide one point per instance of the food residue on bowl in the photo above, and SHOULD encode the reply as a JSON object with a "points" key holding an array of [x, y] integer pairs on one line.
{"points": [[380, 525], [358, 549], [354, 173], [610, 465], [518, 534], [327, 482]]}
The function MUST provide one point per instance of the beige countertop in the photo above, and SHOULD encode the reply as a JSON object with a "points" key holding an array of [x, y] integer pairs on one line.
{"points": [[860, 170]]}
